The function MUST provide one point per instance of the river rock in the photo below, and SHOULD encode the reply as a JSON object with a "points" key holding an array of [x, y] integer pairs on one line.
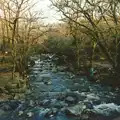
{"points": [[44, 77], [89, 104], [49, 83], [54, 110], [76, 110], [76, 84], [45, 102], [44, 112], [51, 112], [92, 97], [71, 76], [55, 103], [31, 103], [16, 97], [19, 96], [70, 99], [107, 109], [30, 114], [20, 113], [36, 72]]}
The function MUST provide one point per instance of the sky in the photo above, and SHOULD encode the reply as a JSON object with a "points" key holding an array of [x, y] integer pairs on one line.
{"points": [[51, 15], [1, 13]]}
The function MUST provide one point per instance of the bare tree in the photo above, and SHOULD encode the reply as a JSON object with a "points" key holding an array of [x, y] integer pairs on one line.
{"points": [[99, 20], [22, 29]]}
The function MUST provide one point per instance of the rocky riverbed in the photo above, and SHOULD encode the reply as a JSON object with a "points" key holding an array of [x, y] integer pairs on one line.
{"points": [[56, 94]]}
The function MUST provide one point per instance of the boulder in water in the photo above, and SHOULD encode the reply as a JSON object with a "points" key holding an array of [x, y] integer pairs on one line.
{"points": [[20, 113], [70, 99], [107, 109], [30, 114], [46, 102], [76, 110], [92, 97]]}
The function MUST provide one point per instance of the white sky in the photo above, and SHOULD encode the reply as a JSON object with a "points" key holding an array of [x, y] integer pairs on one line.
{"points": [[1, 13], [51, 15]]}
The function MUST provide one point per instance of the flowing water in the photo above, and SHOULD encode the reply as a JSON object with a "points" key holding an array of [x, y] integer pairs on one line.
{"points": [[56, 94]]}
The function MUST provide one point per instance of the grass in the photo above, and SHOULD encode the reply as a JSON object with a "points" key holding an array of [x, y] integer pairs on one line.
{"points": [[6, 78]]}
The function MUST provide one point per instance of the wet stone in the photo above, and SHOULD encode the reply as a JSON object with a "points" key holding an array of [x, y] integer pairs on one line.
{"points": [[46, 102], [76, 110], [70, 99]]}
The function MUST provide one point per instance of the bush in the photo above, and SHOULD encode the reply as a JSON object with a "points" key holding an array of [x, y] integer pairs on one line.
{"points": [[59, 45]]}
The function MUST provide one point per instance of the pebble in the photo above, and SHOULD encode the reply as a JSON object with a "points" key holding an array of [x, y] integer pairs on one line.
{"points": [[30, 114], [20, 113]]}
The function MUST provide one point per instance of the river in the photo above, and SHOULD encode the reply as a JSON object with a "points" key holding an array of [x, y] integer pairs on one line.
{"points": [[57, 94]]}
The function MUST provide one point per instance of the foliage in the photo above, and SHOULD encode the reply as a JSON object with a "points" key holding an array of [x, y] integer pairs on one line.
{"points": [[58, 44], [99, 21]]}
